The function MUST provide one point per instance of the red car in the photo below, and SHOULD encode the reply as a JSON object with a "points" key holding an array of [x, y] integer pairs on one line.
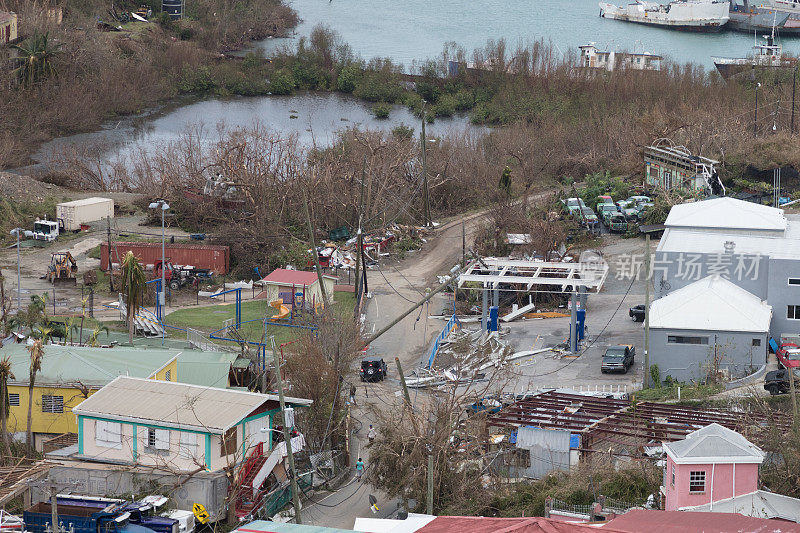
{"points": [[789, 355]]}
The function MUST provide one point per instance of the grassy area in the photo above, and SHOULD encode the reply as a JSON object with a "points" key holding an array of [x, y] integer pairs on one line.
{"points": [[211, 318], [688, 392]]}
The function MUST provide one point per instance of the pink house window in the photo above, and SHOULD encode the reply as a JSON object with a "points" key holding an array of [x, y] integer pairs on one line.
{"points": [[673, 475], [697, 481]]}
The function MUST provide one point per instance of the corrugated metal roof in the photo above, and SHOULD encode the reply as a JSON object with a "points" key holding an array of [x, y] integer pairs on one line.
{"points": [[758, 504], [711, 304], [179, 405], [714, 444], [209, 369], [480, 524], [264, 526], [726, 213], [644, 520], [92, 367]]}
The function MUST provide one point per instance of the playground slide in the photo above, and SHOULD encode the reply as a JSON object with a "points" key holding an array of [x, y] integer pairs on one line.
{"points": [[283, 311]]}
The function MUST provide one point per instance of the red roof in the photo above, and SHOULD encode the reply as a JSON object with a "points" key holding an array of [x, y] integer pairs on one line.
{"points": [[642, 520], [479, 524], [283, 276]]}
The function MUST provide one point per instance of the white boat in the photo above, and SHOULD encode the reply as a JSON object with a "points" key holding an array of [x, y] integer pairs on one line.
{"points": [[692, 15], [766, 56]]}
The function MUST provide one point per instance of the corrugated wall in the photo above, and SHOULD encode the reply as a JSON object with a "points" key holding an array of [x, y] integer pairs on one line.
{"points": [[213, 257]]}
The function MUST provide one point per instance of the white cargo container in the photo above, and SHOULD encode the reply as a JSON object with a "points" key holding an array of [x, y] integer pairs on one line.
{"points": [[73, 214]]}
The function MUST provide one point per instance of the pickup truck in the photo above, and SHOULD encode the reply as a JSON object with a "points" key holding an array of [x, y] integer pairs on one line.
{"points": [[777, 382], [78, 519], [788, 355], [618, 359]]}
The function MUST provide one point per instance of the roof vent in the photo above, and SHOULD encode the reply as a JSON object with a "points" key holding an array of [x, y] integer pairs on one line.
{"points": [[729, 246]]}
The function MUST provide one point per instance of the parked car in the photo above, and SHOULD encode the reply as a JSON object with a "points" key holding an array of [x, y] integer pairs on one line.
{"points": [[777, 382], [373, 369], [604, 199], [588, 216], [617, 223], [788, 355], [629, 209], [604, 212], [637, 313], [637, 200], [618, 358], [573, 205]]}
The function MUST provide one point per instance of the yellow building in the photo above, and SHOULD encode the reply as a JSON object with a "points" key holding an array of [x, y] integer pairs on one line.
{"points": [[8, 27], [69, 375]]}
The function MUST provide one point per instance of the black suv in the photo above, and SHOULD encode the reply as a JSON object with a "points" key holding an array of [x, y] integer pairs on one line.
{"points": [[373, 369], [618, 358], [637, 313], [777, 382]]}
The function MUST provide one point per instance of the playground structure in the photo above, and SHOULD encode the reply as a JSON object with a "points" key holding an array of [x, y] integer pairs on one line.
{"points": [[283, 311]]}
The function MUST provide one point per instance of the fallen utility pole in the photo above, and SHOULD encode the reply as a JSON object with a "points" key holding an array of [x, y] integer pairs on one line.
{"points": [[314, 253], [287, 438], [369, 340], [403, 381]]}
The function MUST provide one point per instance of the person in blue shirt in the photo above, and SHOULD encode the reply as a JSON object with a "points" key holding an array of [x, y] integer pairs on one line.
{"points": [[359, 468]]}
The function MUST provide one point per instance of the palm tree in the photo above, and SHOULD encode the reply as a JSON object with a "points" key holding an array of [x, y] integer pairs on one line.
{"points": [[35, 59], [5, 375], [37, 352], [133, 287], [93, 336]]}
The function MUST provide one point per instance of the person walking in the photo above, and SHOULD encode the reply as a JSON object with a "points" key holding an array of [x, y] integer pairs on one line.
{"points": [[359, 469], [371, 435]]}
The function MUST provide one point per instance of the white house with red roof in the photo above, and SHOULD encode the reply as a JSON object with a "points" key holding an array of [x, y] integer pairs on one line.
{"points": [[297, 288]]}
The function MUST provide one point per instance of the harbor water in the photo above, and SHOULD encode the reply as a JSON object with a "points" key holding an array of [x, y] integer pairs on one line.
{"points": [[418, 29]]}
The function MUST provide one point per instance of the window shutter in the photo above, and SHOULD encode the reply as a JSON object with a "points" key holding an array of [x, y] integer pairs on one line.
{"points": [[108, 434], [188, 444], [162, 439]]}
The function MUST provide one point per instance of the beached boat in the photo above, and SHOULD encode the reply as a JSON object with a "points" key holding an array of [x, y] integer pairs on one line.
{"points": [[767, 55], [692, 15]]}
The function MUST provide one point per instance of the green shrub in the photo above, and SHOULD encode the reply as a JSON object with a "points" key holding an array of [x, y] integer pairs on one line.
{"points": [[381, 110], [403, 132], [465, 100], [196, 81], [348, 78], [309, 76], [446, 106], [379, 87], [282, 82], [428, 91]]}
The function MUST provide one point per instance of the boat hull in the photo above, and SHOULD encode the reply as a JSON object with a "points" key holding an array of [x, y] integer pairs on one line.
{"points": [[759, 19], [684, 16], [729, 69]]}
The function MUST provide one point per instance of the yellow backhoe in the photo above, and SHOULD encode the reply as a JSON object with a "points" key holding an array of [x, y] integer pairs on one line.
{"points": [[63, 269]]}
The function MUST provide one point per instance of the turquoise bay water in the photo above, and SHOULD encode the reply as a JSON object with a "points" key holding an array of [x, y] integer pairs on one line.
{"points": [[416, 30]]}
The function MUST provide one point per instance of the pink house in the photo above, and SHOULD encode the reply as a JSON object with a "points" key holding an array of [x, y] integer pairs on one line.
{"points": [[711, 464]]}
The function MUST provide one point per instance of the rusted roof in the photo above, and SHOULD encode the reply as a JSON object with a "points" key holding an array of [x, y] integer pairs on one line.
{"points": [[283, 276], [479, 524]]}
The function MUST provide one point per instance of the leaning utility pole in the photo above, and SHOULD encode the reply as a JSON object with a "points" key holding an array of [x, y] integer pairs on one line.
{"points": [[426, 215], [314, 252], [369, 340], [287, 437], [463, 244], [360, 242], [406, 396], [646, 311]]}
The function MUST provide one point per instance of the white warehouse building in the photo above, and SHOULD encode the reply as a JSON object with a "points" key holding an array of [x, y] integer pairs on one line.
{"points": [[753, 247]]}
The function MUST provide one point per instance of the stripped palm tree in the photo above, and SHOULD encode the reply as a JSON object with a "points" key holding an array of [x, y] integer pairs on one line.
{"points": [[34, 61], [5, 375], [37, 352], [84, 301], [133, 287]]}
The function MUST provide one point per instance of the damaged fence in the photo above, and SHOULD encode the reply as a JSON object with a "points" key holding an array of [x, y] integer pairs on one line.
{"points": [[448, 328]]}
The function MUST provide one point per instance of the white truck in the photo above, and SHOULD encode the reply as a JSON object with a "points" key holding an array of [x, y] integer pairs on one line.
{"points": [[44, 230], [73, 214]]}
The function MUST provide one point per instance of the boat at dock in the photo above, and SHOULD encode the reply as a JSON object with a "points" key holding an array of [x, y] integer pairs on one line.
{"points": [[690, 15], [749, 17], [766, 56]]}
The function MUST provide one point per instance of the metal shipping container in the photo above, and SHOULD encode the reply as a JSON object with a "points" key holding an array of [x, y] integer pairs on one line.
{"points": [[78, 212], [212, 257]]}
